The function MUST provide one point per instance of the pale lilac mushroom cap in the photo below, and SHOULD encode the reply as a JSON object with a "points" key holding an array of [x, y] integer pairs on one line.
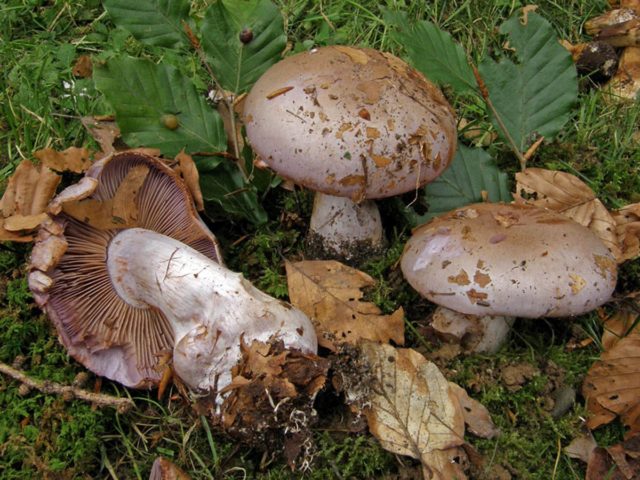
{"points": [[106, 334], [509, 260], [350, 122]]}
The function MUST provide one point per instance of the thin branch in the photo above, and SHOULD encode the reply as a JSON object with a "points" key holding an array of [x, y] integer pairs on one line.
{"points": [[195, 43], [485, 95], [67, 392]]}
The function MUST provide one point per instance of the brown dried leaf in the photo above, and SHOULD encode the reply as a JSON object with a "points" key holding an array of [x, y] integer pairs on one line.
{"points": [[628, 230], [618, 462], [121, 211], [330, 294], [581, 447], [617, 326], [104, 132], [570, 196], [476, 415], [163, 469], [612, 385], [191, 178], [413, 411], [83, 67], [73, 159], [625, 84]]}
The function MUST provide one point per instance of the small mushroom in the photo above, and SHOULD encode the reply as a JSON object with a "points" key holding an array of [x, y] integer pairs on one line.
{"points": [[509, 260], [122, 298], [352, 124]]}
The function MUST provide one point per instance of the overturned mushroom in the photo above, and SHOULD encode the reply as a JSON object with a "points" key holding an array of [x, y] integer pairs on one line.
{"points": [[129, 279], [353, 124], [509, 260]]}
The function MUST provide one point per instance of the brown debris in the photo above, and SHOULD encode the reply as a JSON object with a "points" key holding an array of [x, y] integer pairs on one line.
{"points": [[516, 375], [628, 230]]}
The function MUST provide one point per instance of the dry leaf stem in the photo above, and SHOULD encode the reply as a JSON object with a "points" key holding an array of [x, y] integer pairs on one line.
{"points": [[195, 43], [67, 392], [485, 96]]}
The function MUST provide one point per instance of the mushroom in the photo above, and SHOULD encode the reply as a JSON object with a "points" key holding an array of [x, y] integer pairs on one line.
{"points": [[352, 124], [509, 260], [122, 297]]}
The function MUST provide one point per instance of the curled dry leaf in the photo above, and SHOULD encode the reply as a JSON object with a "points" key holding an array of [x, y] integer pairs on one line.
{"points": [[612, 385], [570, 196], [189, 173], [476, 415], [625, 84], [104, 131], [330, 294], [413, 411], [117, 212], [73, 159], [25, 199], [628, 230]]}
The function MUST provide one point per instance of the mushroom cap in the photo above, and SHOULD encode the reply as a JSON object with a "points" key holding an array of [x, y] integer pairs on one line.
{"points": [[512, 260], [350, 122], [100, 330]]}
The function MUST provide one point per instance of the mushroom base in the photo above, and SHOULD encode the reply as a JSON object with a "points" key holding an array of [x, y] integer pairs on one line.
{"points": [[344, 230]]}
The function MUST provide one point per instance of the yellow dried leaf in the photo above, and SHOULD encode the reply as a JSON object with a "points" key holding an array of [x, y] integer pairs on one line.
{"points": [[191, 178], [330, 294], [570, 196], [413, 411], [73, 159], [121, 211], [628, 230]]}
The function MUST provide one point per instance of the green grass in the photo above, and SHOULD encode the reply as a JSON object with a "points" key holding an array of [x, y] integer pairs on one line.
{"points": [[41, 436]]}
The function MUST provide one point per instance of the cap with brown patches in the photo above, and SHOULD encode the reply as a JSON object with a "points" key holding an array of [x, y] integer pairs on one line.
{"points": [[391, 126], [544, 264]]}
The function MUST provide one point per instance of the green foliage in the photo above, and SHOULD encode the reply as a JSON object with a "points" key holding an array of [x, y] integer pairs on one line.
{"points": [[434, 53], [535, 96], [471, 172], [154, 22], [239, 64], [142, 92]]}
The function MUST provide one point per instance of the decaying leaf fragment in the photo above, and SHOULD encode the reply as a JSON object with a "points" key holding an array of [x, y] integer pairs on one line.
{"points": [[330, 294], [617, 326], [625, 84], [628, 230], [413, 410], [117, 212], [476, 416], [104, 131], [189, 172], [25, 199], [565, 193], [73, 159], [612, 385], [617, 462], [164, 469]]}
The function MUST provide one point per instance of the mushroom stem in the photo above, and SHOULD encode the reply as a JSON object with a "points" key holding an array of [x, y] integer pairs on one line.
{"points": [[343, 228], [211, 309]]}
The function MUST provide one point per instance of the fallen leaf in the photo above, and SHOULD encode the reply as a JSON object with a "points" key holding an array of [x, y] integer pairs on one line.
{"points": [[73, 159], [83, 67], [118, 212], [412, 409], [612, 385], [330, 294], [625, 84], [617, 462], [628, 230], [189, 173], [617, 326], [163, 469], [581, 447], [104, 132], [570, 196], [476, 415]]}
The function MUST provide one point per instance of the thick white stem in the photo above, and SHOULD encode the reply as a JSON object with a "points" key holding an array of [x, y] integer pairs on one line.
{"points": [[345, 227], [211, 308]]}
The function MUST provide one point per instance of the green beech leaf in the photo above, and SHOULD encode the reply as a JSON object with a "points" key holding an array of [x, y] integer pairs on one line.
{"points": [[238, 65], [471, 172], [157, 106], [224, 188], [154, 22], [534, 97], [434, 53]]}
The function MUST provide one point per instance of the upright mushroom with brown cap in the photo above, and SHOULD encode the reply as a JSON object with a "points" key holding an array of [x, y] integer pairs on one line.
{"points": [[509, 260], [123, 292], [353, 124]]}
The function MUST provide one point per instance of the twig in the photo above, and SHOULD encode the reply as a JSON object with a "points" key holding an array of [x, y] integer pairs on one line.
{"points": [[67, 392], [195, 43], [485, 95]]}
